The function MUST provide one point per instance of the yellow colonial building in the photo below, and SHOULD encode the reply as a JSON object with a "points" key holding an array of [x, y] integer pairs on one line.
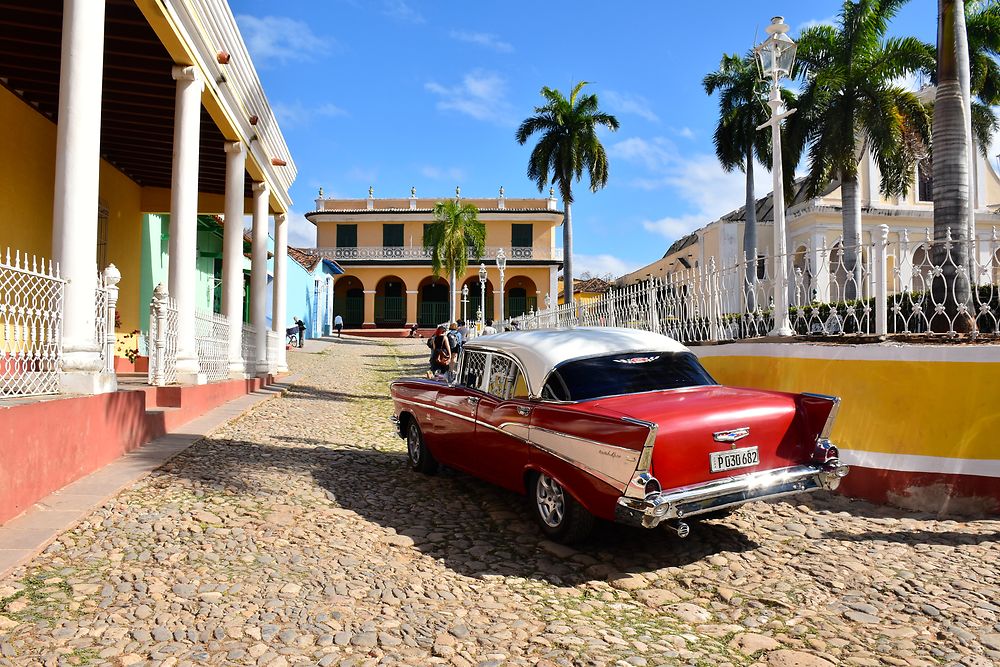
{"points": [[388, 281]]}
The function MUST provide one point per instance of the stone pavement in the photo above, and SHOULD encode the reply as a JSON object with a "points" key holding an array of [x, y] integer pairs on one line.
{"points": [[297, 535]]}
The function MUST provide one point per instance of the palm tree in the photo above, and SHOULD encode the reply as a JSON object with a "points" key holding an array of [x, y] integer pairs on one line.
{"points": [[850, 101], [982, 24], [742, 109], [568, 146], [455, 234], [951, 171]]}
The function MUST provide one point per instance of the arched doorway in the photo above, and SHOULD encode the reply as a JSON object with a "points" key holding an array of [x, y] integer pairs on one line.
{"points": [[349, 300], [390, 302], [520, 296], [475, 299], [432, 301]]}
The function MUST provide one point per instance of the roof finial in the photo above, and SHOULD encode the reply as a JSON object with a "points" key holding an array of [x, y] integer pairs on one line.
{"points": [[458, 192], [321, 192], [371, 192], [552, 193], [501, 191], [413, 191]]}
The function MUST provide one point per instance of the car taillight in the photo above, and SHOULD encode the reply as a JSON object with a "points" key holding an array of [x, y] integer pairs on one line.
{"points": [[825, 451], [652, 486]]}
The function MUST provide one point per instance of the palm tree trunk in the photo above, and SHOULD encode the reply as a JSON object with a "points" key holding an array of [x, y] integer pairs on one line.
{"points": [[451, 301], [852, 236], [962, 62], [951, 176], [567, 253], [750, 237]]}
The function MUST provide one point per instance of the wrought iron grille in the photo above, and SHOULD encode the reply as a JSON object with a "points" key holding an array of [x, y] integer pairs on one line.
{"points": [[248, 348], [101, 322], [31, 316], [879, 288], [212, 338]]}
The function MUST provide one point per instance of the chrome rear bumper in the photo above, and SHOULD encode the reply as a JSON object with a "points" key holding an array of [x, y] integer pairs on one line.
{"points": [[720, 494]]}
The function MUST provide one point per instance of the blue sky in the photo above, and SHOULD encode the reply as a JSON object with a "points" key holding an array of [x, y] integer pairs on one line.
{"points": [[400, 93]]}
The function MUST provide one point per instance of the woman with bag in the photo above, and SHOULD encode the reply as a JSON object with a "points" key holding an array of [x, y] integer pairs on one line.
{"points": [[440, 351]]}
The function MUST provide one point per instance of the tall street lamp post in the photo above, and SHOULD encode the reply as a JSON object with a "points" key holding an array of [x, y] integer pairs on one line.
{"points": [[482, 295], [465, 299], [775, 57], [502, 265]]}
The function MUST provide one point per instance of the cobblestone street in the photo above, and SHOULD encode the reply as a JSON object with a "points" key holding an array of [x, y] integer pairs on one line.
{"points": [[297, 535]]}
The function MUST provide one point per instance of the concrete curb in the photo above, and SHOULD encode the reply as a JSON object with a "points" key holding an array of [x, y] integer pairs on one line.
{"points": [[26, 536]]}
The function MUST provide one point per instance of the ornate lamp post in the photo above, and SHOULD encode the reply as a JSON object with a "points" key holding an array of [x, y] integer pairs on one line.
{"points": [[482, 295], [465, 299], [775, 58], [502, 265]]}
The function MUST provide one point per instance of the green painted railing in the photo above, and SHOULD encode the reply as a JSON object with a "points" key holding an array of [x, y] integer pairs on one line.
{"points": [[390, 309], [351, 308], [519, 305], [433, 313]]}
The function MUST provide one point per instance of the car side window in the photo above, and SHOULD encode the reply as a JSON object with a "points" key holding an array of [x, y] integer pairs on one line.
{"points": [[473, 368], [506, 381], [555, 389]]}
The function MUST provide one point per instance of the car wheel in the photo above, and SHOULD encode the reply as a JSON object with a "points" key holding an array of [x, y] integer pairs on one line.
{"points": [[419, 456], [559, 514]]}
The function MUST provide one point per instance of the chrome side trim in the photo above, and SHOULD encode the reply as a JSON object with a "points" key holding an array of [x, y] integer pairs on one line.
{"points": [[610, 462], [832, 417], [437, 409], [596, 473]]}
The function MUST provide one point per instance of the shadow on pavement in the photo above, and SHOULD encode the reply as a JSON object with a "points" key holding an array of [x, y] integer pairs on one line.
{"points": [[909, 536]]}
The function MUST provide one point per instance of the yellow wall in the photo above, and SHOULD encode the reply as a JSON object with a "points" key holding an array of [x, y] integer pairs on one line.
{"points": [[27, 171], [497, 232], [122, 196], [954, 416]]}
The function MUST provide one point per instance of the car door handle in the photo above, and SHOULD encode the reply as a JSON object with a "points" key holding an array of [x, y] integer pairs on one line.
{"points": [[473, 400], [523, 411]]}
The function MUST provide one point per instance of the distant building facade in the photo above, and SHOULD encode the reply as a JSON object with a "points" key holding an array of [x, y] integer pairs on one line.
{"points": [[388, 281]]}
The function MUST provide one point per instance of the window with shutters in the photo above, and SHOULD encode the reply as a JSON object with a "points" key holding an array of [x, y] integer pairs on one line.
{"points": [[347, 236], [520, 236], [392, 236]]}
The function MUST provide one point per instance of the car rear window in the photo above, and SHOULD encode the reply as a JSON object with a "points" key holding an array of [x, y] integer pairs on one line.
{"points": [[624, 374]]}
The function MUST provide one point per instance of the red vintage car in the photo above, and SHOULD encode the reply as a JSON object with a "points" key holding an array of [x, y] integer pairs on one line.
{"points": [[618, 424]]}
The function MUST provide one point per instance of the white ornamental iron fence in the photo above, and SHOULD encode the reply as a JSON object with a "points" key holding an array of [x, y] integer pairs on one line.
{"points": [[248, 349], [31, 317], [880, 288], [162, 342], [275, 341], [105, 303], [212, 339]]}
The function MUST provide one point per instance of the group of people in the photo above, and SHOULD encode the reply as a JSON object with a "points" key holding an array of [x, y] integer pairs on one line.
{"points": [[447, 342]]}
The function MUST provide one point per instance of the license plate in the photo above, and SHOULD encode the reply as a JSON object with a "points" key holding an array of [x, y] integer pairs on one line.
{"points": [[745, 457]]}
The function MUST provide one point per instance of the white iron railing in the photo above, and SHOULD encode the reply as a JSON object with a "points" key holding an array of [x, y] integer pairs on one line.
{"points": [[31, 317], [212, 339], [162, 343], [873, 289], [275, 342], [419, 252], [248, 349], [105, 303]]}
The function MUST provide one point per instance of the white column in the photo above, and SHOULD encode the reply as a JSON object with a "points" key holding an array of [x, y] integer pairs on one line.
{"points": [[554, 285], [258, 273], [279, 296], [74, 228], [232, 254], [182, 271]]}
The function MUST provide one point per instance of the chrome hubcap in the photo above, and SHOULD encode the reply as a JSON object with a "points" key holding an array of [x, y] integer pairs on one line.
{"points": [[551, 501], [413, 444]]}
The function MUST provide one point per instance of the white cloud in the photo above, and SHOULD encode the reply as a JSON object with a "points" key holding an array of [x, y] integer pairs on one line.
{"points": [[705, 190], [685, 132], [629, 103], [280, 40], [484, 39], [297, 114], [601, 265], [400, 10], [442, 173], [364, 174], [481, 95], [301, 232], [813, 23]]}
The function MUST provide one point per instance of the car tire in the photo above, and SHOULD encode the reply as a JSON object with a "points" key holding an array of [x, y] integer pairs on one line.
{"points": [[420, 458], [561, 517]]}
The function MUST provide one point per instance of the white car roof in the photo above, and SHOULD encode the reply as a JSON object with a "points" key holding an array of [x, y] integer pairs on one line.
{"points": [[541, 350]]}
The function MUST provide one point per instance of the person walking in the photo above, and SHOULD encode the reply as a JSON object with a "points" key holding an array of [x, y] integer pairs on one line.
{"points": [[302, 329], [338, 325], [440, 351]]}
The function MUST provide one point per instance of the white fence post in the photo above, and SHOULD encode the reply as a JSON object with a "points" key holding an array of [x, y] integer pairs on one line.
{"points": [[112, 276], [158, 329], [881, 285], [654, 318], [711, 281]]}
